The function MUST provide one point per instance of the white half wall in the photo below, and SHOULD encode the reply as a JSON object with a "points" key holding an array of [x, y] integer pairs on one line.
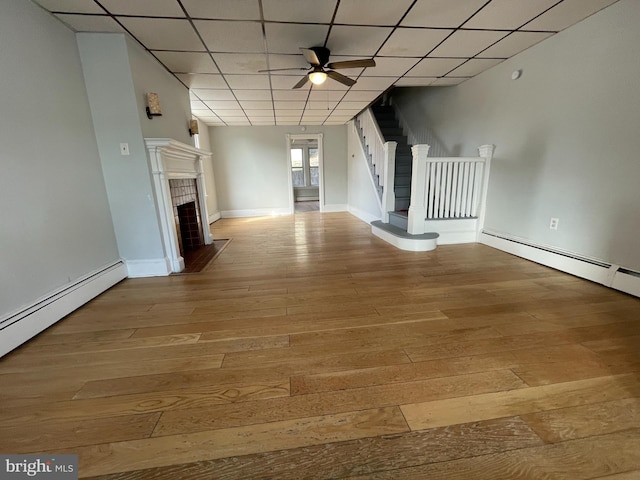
{"points": [[566, 136]]}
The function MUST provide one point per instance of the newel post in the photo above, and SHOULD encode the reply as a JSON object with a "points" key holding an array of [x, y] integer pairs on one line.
{"points": [[486, 152], [388, 194], [418, 207]]}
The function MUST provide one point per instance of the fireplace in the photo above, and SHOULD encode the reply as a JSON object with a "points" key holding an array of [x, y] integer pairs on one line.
{"points": [[184, 197], [178, 180]]}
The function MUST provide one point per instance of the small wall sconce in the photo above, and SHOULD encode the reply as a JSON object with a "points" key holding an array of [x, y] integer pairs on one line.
{"points": [[153, 106], [193, 127]]}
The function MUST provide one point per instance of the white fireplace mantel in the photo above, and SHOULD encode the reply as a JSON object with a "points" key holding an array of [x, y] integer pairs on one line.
{"points": [[169, 159]]}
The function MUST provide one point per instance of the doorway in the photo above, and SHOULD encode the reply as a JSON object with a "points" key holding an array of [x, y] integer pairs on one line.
{"points": [[305, 160]]}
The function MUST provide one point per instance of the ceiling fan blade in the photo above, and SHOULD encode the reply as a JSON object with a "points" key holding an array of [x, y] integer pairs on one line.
{"points": [[338, 77], [302, 82], [363, 62], [310, 56], [282, 69]]}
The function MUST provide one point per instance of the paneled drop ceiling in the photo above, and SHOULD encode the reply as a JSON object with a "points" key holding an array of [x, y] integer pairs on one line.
{"points": [[216, 47]]}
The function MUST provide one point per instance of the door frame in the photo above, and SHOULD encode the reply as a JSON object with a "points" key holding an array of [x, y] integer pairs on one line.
{"points": [[306, 136]]}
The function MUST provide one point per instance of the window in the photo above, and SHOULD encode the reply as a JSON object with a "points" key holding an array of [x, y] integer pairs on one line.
{"points": [[297, 167], [305, 165]]}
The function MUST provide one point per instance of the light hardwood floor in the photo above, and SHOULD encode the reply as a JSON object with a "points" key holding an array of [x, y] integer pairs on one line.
{"points": [[310, 349]]}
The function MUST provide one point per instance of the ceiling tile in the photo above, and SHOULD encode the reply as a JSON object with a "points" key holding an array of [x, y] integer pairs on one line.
{"points": [[200, 112], [474, 67], [223, 36], [376, 12], [445, 82], [291, 95], [147, 8], [374, 83], [210, 94], [259, 113], [566, 14], [312, 11], [362, 95], [392, 66], [240, 62], [223, 9], [295, 60], [514, 43], [256, 104], [76, 6], [91, 23], [163, 33], [508, 14], [434, 67], [322, 107], [280, 105], [248, 82], [325, 95], [234, 114], [441, 13], [202, 80], [415, 81], [361, 41], [253, 94], [411, 42], [289, 38], [238, 123], [466, 43], [187, 62], [282, 82], [220, 105], [198, 105]]}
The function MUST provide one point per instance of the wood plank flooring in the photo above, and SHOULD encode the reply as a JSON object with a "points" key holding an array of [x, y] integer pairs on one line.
{"points": [[310, 349]]}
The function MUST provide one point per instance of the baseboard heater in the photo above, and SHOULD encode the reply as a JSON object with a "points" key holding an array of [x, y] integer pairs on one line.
{"points": [[19, 326], [607, 274]]}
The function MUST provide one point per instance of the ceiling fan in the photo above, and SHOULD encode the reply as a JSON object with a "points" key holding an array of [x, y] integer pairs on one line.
{"points": [[320, 69]]}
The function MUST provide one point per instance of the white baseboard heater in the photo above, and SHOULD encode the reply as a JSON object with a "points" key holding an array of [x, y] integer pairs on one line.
{"points": [[607, 274], [19, 326]]}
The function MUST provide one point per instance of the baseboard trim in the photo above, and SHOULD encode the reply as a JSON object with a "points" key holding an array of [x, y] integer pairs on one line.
{"points": [[595, 270], [256, 212], [362, 215], [155, 267], [214, 217], [454, 231], [339, 207], [21, 325]]}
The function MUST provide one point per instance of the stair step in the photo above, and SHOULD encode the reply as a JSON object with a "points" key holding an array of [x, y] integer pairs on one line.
{"points": [[402, 240]]}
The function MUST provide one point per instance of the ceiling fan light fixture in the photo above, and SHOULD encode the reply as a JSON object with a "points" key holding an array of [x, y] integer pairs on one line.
{"points": [[317, 78]]}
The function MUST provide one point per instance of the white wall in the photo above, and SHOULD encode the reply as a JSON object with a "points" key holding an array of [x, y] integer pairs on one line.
{"points": [[566, 135], [118, 73], [55, 225], [363, 200], [251, 171], [209, 177]]}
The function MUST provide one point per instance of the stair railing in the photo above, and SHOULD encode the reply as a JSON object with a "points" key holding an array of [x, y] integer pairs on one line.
{"points": [[382, 158], [448, 187]]}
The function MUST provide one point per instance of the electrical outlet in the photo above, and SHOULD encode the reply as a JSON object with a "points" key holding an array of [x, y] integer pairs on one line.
{"points": [[124, 149], [553, 225]]}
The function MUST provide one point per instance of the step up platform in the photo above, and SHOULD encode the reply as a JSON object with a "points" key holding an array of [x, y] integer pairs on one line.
{"points": [[403, 240]]}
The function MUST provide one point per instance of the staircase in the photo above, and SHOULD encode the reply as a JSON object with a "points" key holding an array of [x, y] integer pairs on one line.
{"points": [[419, 194], [392, 132]]}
